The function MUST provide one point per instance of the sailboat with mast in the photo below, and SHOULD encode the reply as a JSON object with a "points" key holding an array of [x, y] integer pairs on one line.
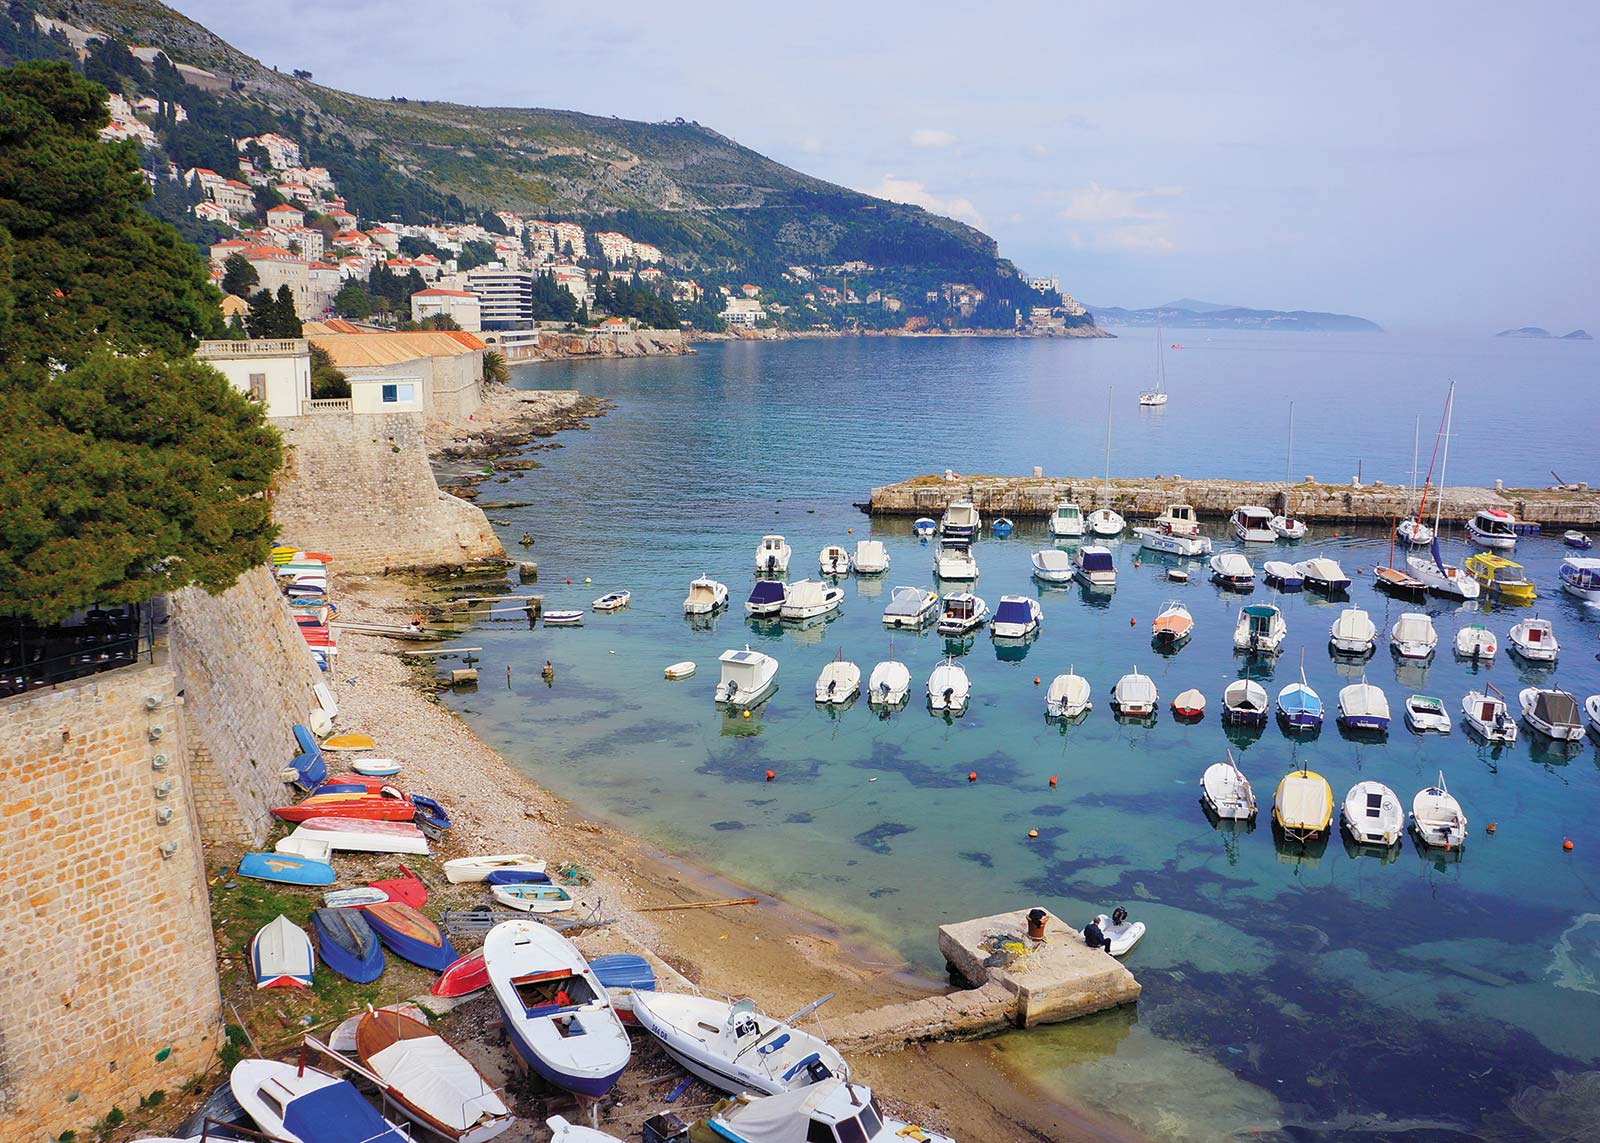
{"points": [[1440, 577], [1412, 530], [1284, 525], [1105, 521], [1158, 395]]}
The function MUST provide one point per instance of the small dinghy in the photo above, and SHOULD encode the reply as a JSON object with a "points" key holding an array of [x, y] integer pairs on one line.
{"points": [[559, 1019], [1244, 703], [733, 1047], [910, 607], [409, 934], [286, 868], [1363, 706], [375, 767], [1190, 705], [839, 682], [889, 684], [681, 670], [705, 597], [1232, 571], [1577, 540], [1300, 707], [430, 814], [871, 557], [1324, 575], [281, 956], [466, 869], [1487, 714], [357, 835], [613, 601], [408, 889], [1178, 575], [563, 619], [1436, 817], [1425, 713], [387, 804], [354, 898], [1477, 642], [1551, 712], [948, 688], [1226, 792], [1353, 632], [1282, 575], [1017, 617], [302, 1104], [1052, 565], [1413, 636], [1001, 527], [1372, 815], [1302, 809], [518, 877], [462, 977], [533, 897], [1534, 640], [347, 944], [1173, 626], [833, 560], [1260, 630], [1068, 696], [1120, 933], [348, 742], [429, 1081], [925, 526], [1135, 695]]}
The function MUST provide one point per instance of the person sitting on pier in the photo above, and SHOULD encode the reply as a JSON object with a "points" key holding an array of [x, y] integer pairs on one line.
{"points": [[1094, 938]]}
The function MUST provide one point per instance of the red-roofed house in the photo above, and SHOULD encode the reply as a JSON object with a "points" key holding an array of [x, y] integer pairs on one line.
{"points": [[385, 237], [343, 219], [457, 304], [233, 196], [285, 217], [211, 212]]}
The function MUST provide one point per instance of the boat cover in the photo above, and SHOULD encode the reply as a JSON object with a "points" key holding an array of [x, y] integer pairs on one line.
{"points": [[1304, 802], [787, 1116], [1353, 624], [1413, 627], [1096, 559], [906, 601], [808, 593], [768, 591], [1054, 559], [1136, 690], [1014, 611], [1363, 699], [1245, 694], [438, 1080], [1555, 708], [338, 1114]]}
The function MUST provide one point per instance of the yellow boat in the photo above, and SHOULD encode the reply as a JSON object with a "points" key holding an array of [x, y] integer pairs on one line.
{"points": [[1303, 806], [348, 742], [1501, 577]]}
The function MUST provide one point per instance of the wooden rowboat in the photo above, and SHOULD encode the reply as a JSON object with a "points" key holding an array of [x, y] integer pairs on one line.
{"points": [[431, 1082]]}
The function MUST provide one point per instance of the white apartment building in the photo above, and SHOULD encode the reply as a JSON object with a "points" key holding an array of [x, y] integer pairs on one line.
{"points": [[275, 372], [462, 306], [743, 312]]}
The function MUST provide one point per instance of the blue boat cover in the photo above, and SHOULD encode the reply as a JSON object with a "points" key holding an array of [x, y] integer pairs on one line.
{"points": [[767, 591], [430, 812], [1261, 611], [1010, 611], [517, 877], [310, 765], [1098, 561], [624, 970], [338, 1114]]}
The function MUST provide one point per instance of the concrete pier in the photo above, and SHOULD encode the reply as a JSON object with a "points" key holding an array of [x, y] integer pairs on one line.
{"points": [[1035, 497]]}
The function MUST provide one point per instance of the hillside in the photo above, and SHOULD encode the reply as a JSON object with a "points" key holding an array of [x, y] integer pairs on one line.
{"points": [[1187, 313], [704, 199]]}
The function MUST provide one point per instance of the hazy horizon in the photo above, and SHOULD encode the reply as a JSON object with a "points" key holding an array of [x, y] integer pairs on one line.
{"points": [[1423, 166]]}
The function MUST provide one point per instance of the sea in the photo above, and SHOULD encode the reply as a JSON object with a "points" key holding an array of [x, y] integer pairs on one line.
{"points": [[1289, 993]]}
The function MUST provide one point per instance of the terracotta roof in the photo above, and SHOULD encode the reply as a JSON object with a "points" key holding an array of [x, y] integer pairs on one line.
{"points": [[354, 350], [444, 294], [284, 209]]}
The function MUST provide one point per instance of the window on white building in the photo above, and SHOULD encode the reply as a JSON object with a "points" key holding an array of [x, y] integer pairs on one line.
{"points": [[399, 394], [258, 386]]}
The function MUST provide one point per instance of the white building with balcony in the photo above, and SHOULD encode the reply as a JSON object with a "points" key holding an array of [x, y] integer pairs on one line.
{"points": [[276, 372]]}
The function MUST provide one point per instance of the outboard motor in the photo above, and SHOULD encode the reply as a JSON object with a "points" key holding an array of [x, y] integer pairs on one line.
{"points": [[818, 1071], [1119, 915]]}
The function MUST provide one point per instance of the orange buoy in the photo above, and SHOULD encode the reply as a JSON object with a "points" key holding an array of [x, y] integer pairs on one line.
{"points": [[770, 775], [1136, 563], [1132, 622], [972, 775], [1567, 845], [569, 580], [1035, 680], [1033, 833], [1052, 781], [849, 531], [1489, 828]]}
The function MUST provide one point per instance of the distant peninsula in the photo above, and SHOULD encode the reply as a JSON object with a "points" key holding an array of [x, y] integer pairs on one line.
{"points": [[1190, 313], [1537, 334]]}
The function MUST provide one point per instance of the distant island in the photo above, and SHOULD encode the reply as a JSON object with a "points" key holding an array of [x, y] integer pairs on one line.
{"points": [[1534, 332], [1190, 313]]}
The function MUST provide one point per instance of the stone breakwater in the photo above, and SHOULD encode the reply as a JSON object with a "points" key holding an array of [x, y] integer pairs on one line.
{"points": [[1134, 497], [552, 345]]}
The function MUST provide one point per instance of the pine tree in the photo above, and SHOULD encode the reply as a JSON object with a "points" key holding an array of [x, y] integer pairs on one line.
{"points": [[286, 322]]}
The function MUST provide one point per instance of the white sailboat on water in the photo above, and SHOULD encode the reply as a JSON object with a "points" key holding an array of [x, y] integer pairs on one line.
{"points": [[1446, 579], [1284, 525], [1412, 530], [1158, 395]]}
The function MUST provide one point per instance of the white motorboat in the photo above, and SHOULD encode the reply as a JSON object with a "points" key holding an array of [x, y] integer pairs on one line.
{"points": [[1363, 706], [1253, 524], [772, 556], [925, 526], [889, 684], [1261, 629], [833, 560], [910, 607], [767, 598], [1017, 617], [1372, 815], [705, 596], [1353, 632], [1437, 818], [1414, 533], [1244, 703], [1052, 565], [735, 1048], [1226, 792], [871, 557], [839, 682], [1284, 575], [1580, 577], [1552, 713], [1302, 807], [1094, 567], [1120, 933], [281, 955], [810, 598], [963, 613], [459, 870], [748, 677], [1413, 636], [1231, 570], [1426, 713], [1476, 642], [960, 521], [1535, 640], [833, 1109], [558, 1017], [1591, 711], [302, 1104], [1066, 522], [1135, 695], [1487, 714], [1104, 522], [1068, 696], [532, 897], [1159, 538], [1493, 528], [953, 559], [613, 601], [1178, 519], [1286, 527], [948, 688], [1173, 626], [1324, 575]]}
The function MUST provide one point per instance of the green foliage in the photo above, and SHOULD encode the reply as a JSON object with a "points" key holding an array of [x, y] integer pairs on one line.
{"points": [[374, 189], [632, 300], [154, 1099], [21, 38], [238, 276], [87, 264], [495, 369], [273, 316], [109, 62], [474, 253], [233, 1047], [353, 301], [552, 301], [413, 246], [115, 1117], [327, 381]]}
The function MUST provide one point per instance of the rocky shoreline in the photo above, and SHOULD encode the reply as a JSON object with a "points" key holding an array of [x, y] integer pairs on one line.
{"points": [[510, 424]]}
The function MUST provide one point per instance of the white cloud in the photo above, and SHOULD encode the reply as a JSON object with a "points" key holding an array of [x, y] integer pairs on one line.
{"points": [[931, 137], [914, 193], [811, 145], [1121, 218]]}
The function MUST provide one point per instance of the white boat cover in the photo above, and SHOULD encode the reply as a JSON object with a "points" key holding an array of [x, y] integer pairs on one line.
{"points": [[1067, 694], [1414, 627], [1305, 801], [1231, 565], [843, 677], [438, 1080], [907, 602], [1246, 695], [808, 593], [1135, 690], [1322, 570], [1363, 700], [1053, 561], [871, 556], [948, 676], [889, 680], [1353, 626]]}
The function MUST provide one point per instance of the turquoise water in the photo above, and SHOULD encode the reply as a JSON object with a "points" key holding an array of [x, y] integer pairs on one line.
{"points": [[1287, 995]]}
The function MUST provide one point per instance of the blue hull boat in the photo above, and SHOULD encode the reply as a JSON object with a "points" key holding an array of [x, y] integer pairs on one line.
{"points": [[410, 935], [347, 944], [517, 877], [286, 868], [430, 813], [1001, 527], [624, 970], [310, 767], [1299, 709], [925, 526]]}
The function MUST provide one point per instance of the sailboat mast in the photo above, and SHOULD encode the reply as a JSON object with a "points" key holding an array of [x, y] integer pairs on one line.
{"points": [[1449, 415], [1288, 463], [1110, 392], [1416, 430]]}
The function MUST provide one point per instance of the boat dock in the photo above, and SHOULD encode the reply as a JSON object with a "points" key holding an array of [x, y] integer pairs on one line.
{"points": [[1017, 983], [1034, 497]]}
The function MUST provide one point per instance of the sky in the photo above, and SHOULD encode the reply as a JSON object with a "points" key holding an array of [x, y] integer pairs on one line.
{"points": [[1427, 165]]}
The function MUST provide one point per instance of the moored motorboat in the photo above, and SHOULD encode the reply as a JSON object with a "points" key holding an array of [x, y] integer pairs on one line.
{"points": [[925, 526], [1591, 711], [298, 1103], [1244, 703], [1397, 582], [1067, 696], [1493, 528], [1442, 578], [948, 688], [1324, 575], [1476, 642], [1016, 617], [839, 682], [735, 1048], [1283, 575], [1252, 524], [910, 607], [1576, 539], [1437, 818], [1001, 528], [1580, 577], [1414, 532], [1353, 632], [1503, 579], [1232, 571], [1425, 713], [1287, 526], [1173, 626], [407, 933], [1226, 792], [772, 556], [767, 598], [889, 684], [1135, 695], [1553, 713], [1363, 706], [871, 557], [1094, 567], [1534, 640], [1302, 807], [705, 597], [613, 601], [1260, 630], [434, 1085], [1190, 705], [962, 614], [834, 1109], [281, 955], [347, 944], [1487, 714], [1372, 815], [1163, 539], [1413, 636], [953, 559], [748, 677], [1066, 522], [810, 598], [961, 520], [1052, 565], [833, 560]]}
